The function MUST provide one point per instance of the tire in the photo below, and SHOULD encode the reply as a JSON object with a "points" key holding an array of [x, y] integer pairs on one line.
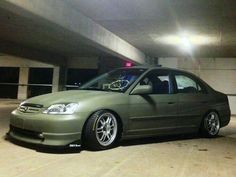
{"points": [[101, 130], [210, 126]]}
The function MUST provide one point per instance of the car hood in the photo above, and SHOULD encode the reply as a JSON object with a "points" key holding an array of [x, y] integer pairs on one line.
{"points": [[74, 96]]}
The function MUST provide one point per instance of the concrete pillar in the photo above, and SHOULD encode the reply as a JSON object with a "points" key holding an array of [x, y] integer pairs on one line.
{"points": [[62, 78], [59, 78], [23, 81], [55, 79]]}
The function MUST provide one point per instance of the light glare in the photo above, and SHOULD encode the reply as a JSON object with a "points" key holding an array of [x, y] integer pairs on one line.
{"points": [[185, 43], [128, 64], [185, 40]]}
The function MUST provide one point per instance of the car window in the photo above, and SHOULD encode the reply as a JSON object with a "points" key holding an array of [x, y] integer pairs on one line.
{"points": [[160, 82], [186, 84]]}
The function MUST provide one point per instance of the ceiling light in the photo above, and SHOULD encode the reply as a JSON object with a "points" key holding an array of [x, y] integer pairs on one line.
{"points": [[185, 40], [185, 43]]}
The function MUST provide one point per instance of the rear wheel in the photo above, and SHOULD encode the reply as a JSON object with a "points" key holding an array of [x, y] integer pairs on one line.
{"points": [[102, 130], [211, 125]]}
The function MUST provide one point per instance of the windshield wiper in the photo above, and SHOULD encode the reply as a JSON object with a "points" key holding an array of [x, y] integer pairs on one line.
{"points": [[99, 89], [93, 88]]}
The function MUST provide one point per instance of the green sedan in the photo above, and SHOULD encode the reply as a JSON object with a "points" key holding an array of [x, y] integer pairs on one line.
{"points": [[122, 104]]}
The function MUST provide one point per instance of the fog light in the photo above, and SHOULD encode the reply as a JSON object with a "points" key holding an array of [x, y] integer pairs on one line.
{"points": [[41, 136]]}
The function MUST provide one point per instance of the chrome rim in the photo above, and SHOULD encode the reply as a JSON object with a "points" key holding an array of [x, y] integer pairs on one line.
{"points": [[106, 129], [212, 123]]}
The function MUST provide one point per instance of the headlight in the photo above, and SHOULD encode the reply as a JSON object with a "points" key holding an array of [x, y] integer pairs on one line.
{"points": [[69, 108]]}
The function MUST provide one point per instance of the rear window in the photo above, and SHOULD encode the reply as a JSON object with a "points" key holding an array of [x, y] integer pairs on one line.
{"points": [[186, 84]]}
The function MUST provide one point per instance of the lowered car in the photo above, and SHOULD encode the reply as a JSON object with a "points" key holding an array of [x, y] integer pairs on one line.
{"points": [[121, 104]]}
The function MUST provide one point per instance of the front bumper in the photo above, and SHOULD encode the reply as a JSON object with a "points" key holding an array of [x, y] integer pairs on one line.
{"points": [[41, 138], [43, 129]]}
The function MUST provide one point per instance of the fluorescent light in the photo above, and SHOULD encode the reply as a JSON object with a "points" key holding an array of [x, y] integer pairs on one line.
{"points": [[185, 43], [185, 40]]}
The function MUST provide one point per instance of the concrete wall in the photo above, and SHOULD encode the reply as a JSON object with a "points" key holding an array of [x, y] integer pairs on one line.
{"points": [[220, 73], [12, 61], [59, 72], [83, 62], [24, 65]]}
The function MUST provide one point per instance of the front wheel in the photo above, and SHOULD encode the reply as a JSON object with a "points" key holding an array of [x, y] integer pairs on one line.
{"points": [[101, 131], [211, 125]]}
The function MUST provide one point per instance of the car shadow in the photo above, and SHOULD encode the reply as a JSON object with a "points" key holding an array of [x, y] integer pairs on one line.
{"points": [[164, 139], [159, 139], [130, 142]]}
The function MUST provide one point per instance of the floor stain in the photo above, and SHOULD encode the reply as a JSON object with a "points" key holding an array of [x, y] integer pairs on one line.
{"points": [[179, 144], [229, 157], [203, 149]]}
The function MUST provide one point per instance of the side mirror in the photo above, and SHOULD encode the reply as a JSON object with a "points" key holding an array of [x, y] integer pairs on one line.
{"points": [[142, 90]]}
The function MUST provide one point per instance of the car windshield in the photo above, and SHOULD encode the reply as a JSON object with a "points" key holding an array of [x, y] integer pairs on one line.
{"points": [[118, 80]]}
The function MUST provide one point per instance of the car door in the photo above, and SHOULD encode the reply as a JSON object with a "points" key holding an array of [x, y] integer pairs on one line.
{"points": [[156, 112], [193, 100]]}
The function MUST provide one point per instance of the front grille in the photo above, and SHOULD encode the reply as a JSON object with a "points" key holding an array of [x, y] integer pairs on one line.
{"points": [[26, 133], [30, 108]]}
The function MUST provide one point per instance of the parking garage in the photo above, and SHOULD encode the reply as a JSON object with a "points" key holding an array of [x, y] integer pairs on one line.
{"points": [[53, 46]]}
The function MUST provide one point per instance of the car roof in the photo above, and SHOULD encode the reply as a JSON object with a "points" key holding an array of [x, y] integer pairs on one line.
{"points": [[150, 68], [154, 67]]}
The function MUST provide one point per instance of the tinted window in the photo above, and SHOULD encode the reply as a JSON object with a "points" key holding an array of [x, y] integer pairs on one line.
{"points": [[160, 82], [186, 84]]}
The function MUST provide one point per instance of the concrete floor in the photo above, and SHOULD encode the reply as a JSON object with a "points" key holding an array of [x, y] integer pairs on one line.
{"points": [[173, 156]]}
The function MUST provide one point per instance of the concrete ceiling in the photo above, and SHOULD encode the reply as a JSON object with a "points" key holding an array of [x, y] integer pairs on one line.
{"points": [[137, 21], [37, 33]]}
